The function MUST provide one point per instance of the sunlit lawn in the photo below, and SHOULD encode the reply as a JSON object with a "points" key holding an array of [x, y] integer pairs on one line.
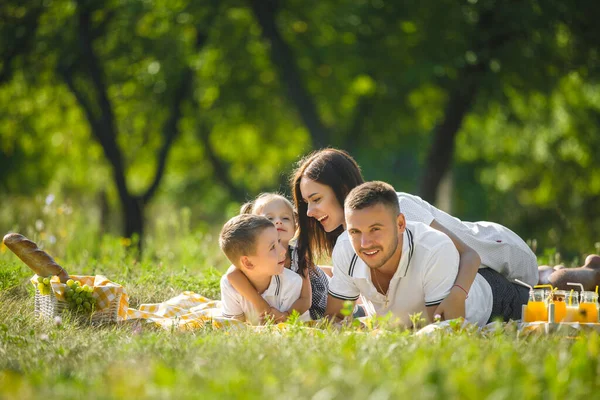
{"points": [[42, 359]]}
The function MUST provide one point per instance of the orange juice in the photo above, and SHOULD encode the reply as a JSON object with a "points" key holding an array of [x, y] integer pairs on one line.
{"points": [[572, 314], [559, 298], [560, 311], [588, 312], [536, 311]]}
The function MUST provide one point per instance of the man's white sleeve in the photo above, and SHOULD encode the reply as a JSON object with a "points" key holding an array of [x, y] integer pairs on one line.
{"points": [[440, 273], [414, 209], [230, 300], [342, 285]]}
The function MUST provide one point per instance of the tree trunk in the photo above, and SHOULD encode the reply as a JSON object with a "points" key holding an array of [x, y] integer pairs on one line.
{"points": [[283, 59], [441, 152], [462, 96], [133, 213]]}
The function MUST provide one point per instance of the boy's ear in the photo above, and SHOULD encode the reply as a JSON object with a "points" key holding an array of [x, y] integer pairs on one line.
{"points": [[246, 263]]}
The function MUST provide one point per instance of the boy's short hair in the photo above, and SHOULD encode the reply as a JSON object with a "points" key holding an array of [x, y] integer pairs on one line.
{"points": [[372, 193], [238, 236]]}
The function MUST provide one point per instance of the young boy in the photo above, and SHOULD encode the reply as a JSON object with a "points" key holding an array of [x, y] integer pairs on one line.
{"points": [[252, 245]]}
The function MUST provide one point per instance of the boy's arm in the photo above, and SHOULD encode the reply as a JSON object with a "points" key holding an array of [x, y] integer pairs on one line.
{"points": [[230, 304], [240, 282], [304, 301]]}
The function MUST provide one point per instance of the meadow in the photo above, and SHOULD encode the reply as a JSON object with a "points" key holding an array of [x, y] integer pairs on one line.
{"points": [[70, 359]]}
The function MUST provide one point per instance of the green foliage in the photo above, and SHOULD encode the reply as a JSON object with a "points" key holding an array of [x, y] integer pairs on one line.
{"points": [[380, 74]]}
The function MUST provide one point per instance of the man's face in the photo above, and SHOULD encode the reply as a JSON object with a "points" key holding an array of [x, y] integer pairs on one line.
{"points": [[269, 257], [375, 233]]}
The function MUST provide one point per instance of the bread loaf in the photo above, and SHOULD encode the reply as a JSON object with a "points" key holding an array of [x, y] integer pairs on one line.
{"points": [[34, 257]]}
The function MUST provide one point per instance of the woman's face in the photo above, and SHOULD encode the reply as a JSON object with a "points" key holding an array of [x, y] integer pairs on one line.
{"points": [[322, 204]]}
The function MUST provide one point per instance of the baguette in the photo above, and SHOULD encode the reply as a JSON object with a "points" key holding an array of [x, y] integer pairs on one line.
{"points": [[35, 258]]}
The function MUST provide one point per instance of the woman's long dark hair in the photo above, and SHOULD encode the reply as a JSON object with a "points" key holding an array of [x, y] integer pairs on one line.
{"points": [[336, 169]]}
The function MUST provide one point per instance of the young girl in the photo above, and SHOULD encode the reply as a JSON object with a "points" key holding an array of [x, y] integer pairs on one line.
{"points": [[314, 283]]}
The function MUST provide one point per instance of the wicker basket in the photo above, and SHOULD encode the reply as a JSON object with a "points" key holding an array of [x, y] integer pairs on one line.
{"points": [[48, 306]]}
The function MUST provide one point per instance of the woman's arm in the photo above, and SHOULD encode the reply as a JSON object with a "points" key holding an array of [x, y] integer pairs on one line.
{"points": [[240, 282], [453, 306]]}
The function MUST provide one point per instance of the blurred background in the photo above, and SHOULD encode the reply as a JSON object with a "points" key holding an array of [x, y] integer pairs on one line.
{"points": [[155, 119]]}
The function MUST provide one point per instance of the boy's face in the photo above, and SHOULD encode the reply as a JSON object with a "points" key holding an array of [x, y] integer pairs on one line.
{"points": [[269, 257], [279, 212]]}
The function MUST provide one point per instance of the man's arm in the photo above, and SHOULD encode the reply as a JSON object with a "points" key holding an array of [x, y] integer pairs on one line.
{"points": [[440, 271], [453, 306], [334, 308], [341, 286]]}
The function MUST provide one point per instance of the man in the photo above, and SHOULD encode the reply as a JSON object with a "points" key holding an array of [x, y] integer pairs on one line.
{"points": [[407, 267]]}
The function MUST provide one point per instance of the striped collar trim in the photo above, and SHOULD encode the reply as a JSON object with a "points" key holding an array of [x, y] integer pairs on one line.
{"points": [[408, 248], [274, 288]]}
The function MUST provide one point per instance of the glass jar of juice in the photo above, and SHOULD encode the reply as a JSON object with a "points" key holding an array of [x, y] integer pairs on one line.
{"points": [[537, 306], [588, 307], [572, 307], [560, 305]]}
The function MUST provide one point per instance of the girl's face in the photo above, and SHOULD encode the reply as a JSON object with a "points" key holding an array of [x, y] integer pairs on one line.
{"points": [[322, 204], [280, 213]]}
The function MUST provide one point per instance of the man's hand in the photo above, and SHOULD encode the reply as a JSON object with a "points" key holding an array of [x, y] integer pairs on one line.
{"points": [[453, 306]]}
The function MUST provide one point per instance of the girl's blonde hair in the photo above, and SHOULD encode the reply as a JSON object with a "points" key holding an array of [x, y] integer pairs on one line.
{"points": [[256, 205]]}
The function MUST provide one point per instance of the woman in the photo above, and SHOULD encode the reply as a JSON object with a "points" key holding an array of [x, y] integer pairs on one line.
{"points": [[324, 178]]}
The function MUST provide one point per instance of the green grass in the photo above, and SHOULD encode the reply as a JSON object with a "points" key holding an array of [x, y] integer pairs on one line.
{"points": [[40, 359]]}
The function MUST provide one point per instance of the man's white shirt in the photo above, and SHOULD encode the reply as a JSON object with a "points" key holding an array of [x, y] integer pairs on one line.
{"points": [[499, 248], [281, 294], [426, 273]]}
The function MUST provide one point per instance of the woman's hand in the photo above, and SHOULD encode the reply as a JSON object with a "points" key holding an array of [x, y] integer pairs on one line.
{"points": [[453, 305]]}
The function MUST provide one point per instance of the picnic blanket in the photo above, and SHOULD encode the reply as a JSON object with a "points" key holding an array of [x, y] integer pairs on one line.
{"points": [[186, 311]]}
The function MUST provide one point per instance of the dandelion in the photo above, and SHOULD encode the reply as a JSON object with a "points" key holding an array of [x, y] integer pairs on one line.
{"points": [[125, 242]]}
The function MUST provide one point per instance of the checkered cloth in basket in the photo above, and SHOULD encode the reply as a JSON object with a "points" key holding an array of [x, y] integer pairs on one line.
{"points": [[112, 301]]}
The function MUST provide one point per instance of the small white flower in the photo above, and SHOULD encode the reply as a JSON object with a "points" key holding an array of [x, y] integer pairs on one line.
{"points": [[49, 199], [58, 320]]}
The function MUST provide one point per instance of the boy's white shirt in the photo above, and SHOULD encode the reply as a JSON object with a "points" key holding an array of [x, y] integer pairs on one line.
{"points": [[499, 248], [426, 273], [281, 294]]}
